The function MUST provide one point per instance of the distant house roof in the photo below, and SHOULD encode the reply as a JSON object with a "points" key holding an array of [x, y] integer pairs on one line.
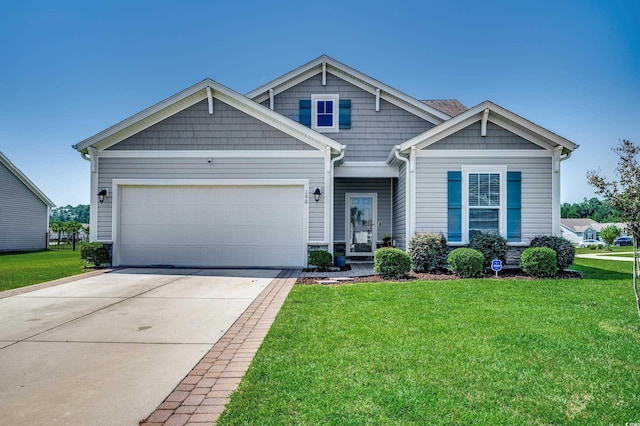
{"points": [[450, 107], [580, 225], [25, 180]]}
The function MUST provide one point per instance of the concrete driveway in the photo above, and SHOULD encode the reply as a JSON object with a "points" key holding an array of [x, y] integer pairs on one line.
{"points": [[108, 349]]}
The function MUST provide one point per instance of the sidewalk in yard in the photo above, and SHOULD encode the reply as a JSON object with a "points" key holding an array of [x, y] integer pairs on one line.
{"points": [[606, 256]]}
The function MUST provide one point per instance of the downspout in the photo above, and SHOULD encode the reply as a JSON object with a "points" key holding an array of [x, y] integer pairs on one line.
{"points": [[93, 211], [555, 196], [408, 205], [332, 196]]}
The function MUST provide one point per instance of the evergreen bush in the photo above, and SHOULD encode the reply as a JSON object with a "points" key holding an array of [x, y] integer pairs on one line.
{"points": [[95, 253], [428, 252], [492, 246], [391, 262], [539, 262], [565, 251], [321, 259], [466, 262]]}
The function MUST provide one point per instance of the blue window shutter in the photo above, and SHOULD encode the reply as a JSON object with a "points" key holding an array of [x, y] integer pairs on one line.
{"points": [[345, 114], [454, 196], [514, 207], [305, 112]]}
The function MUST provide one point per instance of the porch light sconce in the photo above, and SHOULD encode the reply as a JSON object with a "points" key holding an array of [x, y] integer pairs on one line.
{"points": [[316, 194], [101, 195]]}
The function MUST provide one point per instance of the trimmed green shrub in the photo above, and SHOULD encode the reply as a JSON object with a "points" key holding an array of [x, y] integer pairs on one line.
{"points": [[592, 247], [391, 262], [565, 251], [539, 262], [428, 252], [322, 259], [95, 253], [492, 246], [466, 262]]}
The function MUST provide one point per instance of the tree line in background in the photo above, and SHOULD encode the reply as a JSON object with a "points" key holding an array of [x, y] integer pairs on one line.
{"points": [[594, 209], [79, 214]]}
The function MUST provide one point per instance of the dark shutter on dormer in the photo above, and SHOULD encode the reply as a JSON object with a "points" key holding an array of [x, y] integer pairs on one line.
{"points": [[305, 112], [345, 114]]}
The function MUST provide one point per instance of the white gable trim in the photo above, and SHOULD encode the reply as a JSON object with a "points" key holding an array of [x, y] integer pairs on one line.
{"points": [[211, 154], [497, 115], [25, 181], [191, 96], [354, 77], [484, 153]]}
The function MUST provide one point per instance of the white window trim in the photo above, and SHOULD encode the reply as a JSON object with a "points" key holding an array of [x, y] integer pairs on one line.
{"points": [[502, 216], [335, 98]]}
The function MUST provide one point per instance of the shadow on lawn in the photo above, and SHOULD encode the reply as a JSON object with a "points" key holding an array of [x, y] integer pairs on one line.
{"points": [[603, 273]]}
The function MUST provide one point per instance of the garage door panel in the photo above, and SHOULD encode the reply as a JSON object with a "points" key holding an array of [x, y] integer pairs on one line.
{"points": [[212, 226]]}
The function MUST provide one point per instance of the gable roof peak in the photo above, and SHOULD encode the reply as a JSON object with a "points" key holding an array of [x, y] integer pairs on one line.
{"points": [[490, 111], [353, 76], [197, 93], [25, 180]]}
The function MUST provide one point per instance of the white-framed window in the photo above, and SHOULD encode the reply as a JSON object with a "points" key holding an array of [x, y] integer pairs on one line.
{"points": [[325, 113], [484, 200]]}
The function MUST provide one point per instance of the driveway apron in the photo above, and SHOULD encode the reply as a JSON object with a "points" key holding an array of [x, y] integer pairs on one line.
{"points": [[108, 349]]}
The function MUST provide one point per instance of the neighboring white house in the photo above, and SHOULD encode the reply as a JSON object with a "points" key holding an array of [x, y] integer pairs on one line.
{"points": [[576, 230], [24, 211], [323, 156]]}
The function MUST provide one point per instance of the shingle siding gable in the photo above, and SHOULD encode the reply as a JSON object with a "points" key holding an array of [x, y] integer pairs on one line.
{"points": [[372, 134], [23, 223], [226, 129], [497, 138]]}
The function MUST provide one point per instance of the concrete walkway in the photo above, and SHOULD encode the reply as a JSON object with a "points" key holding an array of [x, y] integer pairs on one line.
{"points": [[606, 256], [108, 349]]}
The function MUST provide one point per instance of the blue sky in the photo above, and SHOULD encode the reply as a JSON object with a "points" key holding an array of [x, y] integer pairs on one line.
{"points": [[73, 68]]}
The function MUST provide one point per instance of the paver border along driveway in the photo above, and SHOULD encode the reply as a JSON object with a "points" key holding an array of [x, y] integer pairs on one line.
{"points": [[109, 349]]}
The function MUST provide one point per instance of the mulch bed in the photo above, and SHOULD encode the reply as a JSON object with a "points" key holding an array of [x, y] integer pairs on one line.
{"points": [[446, 275]]}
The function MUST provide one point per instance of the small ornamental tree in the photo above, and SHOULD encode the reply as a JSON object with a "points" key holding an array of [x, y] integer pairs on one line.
{"points": [[624, 196], [609, 234]]}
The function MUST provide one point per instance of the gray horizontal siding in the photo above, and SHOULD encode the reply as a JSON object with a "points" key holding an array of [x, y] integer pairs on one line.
{"points": [[372, 134], [497, 138], [23, 216], [229, 168], [226, 129], [431, 191], [381, 186], [400, 209]]}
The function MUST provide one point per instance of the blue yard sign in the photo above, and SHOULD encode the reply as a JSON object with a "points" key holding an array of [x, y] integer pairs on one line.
{"points": [[496, 265]]}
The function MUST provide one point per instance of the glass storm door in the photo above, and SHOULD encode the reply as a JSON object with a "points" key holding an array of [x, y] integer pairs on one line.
{"points": [[361, 219]]}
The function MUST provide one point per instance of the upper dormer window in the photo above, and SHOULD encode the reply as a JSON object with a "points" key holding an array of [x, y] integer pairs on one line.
{"points": [[324, 112]]}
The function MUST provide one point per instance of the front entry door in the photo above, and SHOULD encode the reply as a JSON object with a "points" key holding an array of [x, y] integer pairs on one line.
{"points": [[361, 224]]}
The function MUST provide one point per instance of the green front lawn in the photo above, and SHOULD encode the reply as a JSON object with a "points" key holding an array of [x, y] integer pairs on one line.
{"points": [[451, 352], [612, 249], [23, 269]]}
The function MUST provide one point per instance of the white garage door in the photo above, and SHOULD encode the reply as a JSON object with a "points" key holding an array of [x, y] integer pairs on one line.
{"points": [[215, 226]]}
